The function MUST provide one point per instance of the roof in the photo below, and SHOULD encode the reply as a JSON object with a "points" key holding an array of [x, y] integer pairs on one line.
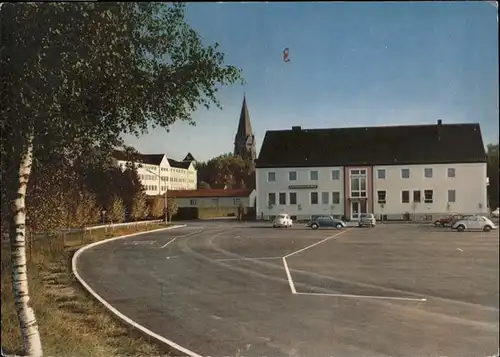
{"points": [[179, 164], [151, 159], [244, 126], [215, 193], [384, 145], [189, 157]]}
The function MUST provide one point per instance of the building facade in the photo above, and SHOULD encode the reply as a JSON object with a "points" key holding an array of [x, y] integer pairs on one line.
{"points": [[214, 198], [159, 174], [396, 172]]}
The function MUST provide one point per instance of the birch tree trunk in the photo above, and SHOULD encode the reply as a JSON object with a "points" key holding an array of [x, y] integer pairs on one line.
{"points": [[28, 324]]}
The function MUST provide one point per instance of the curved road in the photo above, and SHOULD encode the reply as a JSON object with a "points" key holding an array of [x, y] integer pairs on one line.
{"points": [[197, 287]]}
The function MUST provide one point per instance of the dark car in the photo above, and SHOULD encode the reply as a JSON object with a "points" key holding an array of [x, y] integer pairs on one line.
{"points": [[325, 222], [448, 220]]}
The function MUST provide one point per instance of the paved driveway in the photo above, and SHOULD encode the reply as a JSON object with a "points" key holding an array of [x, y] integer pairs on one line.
{"points": [[219, 288]]}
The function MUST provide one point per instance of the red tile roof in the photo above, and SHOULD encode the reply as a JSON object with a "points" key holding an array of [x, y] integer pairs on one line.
{"points": [[215, 193]]}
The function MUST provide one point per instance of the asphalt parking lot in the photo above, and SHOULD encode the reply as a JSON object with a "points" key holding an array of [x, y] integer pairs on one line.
{"points": [[222, 288]]}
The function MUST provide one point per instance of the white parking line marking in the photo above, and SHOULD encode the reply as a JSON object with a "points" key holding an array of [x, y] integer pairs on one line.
{"points": [[170, 241], [289, 277], [185, 235], [235, 259], [315, 244], [363, 296], [285, 265]]}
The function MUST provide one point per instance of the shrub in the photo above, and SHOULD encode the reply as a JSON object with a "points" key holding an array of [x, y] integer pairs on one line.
{"points": [[116, 210], [139, 207]]}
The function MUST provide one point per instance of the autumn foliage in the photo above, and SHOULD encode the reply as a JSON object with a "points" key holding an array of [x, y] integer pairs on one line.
{"points": [[65, 195]]}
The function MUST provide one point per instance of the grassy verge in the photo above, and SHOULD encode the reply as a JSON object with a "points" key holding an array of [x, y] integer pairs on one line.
{"points": [[71, 322]]}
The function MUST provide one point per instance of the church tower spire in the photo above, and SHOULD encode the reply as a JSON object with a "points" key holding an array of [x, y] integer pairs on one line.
{"points": [[244, 141]]}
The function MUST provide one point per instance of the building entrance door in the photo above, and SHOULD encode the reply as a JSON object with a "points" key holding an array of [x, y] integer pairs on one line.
{"points": [[357, 208], [354, 210]]}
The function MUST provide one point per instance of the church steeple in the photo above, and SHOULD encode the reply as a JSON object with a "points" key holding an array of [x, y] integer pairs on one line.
{"points": [[244, 141]]}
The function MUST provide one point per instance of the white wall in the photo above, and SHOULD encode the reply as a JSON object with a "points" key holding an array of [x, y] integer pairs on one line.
{"points": [[156, 179], [325, 184], [213, 202], [469, 184], [182, 179]]}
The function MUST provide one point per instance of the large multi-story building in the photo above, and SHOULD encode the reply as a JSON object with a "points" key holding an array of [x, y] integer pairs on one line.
{"points": [[393, 171], [159, 173]]}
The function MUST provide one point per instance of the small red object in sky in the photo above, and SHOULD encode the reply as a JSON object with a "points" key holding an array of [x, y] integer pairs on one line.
{"points": [[286, 53]]}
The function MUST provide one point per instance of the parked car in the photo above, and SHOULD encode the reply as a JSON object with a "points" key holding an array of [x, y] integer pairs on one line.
{"points": [[367, 219], [475, 222], [495, 213], [449, 220], [325, 222], [282, 220]]}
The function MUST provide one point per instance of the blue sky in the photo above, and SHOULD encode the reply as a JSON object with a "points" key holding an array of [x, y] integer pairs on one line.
{"points": [[352, 64]]}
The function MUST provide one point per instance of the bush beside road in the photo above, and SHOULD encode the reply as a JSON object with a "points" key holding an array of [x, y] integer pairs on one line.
{"points": [[71, 322]]}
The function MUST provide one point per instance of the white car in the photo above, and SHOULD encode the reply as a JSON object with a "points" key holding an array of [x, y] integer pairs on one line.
{"points": [[475, 222], [282, 220], [367, 219], [495, 212]]}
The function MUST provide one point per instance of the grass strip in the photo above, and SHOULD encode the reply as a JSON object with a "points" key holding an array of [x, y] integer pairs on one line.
{"points": [[71, 322]]}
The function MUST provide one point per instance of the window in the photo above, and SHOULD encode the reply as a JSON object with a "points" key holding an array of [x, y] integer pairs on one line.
{"points": [[405, 173], [272, 199], [192, 202], [381, 196], [292, 176], [324, 198], [416, 196], [282, 198], [451, 196], [293, 198], [314, 175], [236, 201], [335, 174], [381, 174], [335, 197], [428, 172], [314, 198], [428, 196], [358, 183], [215, 201], [271, 176], [451, 172], [405, 196]]}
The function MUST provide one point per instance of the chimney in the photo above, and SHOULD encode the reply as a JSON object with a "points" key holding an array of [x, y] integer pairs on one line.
{"points": [[296, 128], [440, 122]]}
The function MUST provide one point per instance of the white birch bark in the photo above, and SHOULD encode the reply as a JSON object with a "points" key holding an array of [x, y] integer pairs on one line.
{"points": [[28, 324]]}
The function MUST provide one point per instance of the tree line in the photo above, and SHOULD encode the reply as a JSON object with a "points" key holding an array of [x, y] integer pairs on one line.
{"points": [[226, 171], [76, 194]]}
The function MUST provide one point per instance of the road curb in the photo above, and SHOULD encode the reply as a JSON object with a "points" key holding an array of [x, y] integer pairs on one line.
{"points": [[117, 313]]}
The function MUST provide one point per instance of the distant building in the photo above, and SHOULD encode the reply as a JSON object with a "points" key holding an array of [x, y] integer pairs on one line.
{"points": [[159, 173], [214, 198], [244, 141], [417, 171]]}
